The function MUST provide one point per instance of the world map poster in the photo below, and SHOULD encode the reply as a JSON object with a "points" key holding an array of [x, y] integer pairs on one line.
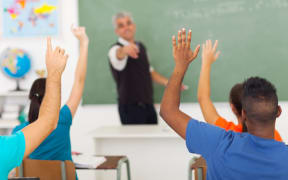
{"points": [[30, 18]]}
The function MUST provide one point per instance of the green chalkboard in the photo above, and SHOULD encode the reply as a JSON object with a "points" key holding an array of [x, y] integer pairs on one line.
{"points": [[252, 34]]}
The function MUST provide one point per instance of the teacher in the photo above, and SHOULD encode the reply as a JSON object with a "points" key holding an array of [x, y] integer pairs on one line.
{"points": [[129, 64]]}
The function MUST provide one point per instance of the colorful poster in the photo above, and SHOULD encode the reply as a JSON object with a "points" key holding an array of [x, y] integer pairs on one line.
{"points": [[30, 18]]}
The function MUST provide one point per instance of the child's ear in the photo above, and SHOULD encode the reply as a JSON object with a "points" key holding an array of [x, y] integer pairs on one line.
{"points": [[279, 111]]}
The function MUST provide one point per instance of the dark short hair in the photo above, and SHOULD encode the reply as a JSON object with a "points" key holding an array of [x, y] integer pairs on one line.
{"points": [[259, 100], [36, 95], [235, 97]]}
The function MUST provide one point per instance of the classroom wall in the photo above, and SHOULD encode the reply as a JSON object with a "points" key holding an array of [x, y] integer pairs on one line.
{"points": [[36, 47]]}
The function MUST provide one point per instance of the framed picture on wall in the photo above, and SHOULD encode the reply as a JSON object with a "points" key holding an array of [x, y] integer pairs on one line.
{"points": [[26, 18]]}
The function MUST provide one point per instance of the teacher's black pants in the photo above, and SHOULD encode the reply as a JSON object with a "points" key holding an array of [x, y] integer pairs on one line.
{"points": [[138, 113]]}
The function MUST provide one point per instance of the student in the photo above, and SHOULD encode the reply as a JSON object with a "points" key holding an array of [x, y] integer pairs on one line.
{"points": [[57, 145], [229, 155], [209, 111], [15, 147]]}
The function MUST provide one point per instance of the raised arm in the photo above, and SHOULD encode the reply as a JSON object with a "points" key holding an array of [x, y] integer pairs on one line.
{"points": [[209, 55], [47, 121], [80, 73], [169, 110]]}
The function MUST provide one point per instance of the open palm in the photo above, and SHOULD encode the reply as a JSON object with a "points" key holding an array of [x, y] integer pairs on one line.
{"points": [[182, 52]]}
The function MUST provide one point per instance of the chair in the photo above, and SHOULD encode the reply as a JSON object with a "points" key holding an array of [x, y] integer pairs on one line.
{"points": [[47, 169], [113, 163], [25, 178], [200, 168]]}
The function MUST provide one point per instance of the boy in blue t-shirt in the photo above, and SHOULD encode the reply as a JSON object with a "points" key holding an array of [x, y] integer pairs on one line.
{"points": [[229, 155]]}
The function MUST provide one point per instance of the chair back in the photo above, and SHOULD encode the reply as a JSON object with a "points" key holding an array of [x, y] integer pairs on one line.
{"points": [[47, 169], [24, 178]]}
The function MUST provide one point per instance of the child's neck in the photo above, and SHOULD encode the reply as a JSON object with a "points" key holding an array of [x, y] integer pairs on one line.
{"points": [[263, 131]]}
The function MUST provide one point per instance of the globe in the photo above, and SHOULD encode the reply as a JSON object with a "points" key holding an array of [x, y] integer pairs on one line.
{"points": [[15, 64]]}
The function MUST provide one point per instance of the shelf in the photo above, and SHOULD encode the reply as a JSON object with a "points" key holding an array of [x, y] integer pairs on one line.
{"points": [[14, 94], [8, 124]]}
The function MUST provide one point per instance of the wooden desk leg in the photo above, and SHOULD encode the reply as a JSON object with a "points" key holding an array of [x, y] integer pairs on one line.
{"points": [[196, 174], [120, 163], [204, 173]]}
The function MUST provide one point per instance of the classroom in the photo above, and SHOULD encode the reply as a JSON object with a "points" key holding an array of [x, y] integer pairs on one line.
{"points": [[143, 90]]}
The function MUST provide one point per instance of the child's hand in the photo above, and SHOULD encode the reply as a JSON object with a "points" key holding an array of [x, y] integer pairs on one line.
{"points": [[183, 55], [209, 54], [55, 59], [80, 34]]}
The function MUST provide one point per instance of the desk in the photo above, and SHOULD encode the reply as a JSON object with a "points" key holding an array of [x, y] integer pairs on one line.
{"points": [[154, 152], [112, 163]]}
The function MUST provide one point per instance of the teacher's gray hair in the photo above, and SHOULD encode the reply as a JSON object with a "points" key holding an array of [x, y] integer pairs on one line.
{"points": [[121, 15]]}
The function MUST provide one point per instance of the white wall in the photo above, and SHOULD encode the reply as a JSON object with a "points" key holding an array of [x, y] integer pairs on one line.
{"points": [[36, 48]]}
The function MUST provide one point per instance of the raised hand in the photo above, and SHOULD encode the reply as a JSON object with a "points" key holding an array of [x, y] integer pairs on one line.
{"points": [[80, 34], [209, 54], [131, 50], [182, 52], [55, 59]]}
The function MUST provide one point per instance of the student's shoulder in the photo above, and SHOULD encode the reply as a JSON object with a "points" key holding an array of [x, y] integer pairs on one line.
{"points": [[203, 127], [277, 136], [65, 116], [12, 150], [20, 127], [220, 121], [283, 151], [227, 125], [66, 110]]}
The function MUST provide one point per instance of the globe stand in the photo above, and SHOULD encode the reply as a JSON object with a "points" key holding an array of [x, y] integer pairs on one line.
{"points": [[18, 88]]}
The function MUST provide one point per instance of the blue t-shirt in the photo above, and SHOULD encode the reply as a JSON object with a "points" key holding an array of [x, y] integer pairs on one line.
{"points": [[12, 149], [57, 145], [238, 156]]}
